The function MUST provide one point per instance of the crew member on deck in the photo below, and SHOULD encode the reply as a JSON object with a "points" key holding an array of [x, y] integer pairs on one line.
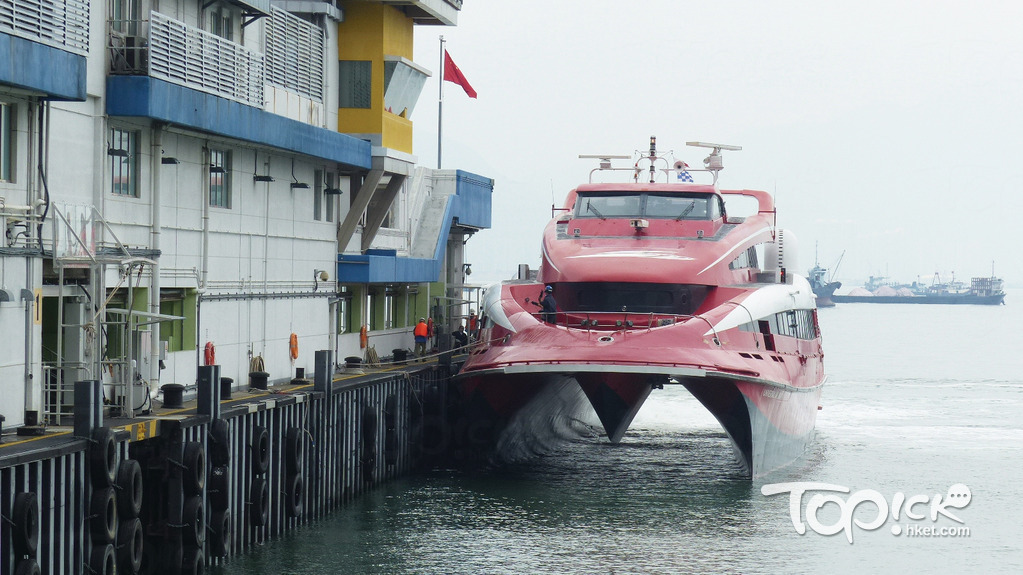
{"points": [[548, 306]]}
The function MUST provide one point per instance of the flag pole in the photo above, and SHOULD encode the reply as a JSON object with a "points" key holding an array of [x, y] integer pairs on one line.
{"points": [[440, 101]]}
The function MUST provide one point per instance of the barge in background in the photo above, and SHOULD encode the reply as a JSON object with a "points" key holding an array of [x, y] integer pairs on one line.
{"points": [[982, 291]]}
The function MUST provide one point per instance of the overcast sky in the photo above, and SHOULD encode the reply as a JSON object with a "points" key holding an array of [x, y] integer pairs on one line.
{"points": [[891, 131]]}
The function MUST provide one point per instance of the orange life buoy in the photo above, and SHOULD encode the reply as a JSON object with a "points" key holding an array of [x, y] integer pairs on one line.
{"points": [[294, 346], [363, 337], [429, 327], [210, 354]]}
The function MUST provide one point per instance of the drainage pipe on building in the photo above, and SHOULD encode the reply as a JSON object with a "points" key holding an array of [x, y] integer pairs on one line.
{"points": [[156, 166]]}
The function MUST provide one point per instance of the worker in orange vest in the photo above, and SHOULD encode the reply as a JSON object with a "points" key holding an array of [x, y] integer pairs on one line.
{"points": [[420, 332]]}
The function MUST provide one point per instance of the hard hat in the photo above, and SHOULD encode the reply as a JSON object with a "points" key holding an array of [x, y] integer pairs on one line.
{"points": [[548, 288]]}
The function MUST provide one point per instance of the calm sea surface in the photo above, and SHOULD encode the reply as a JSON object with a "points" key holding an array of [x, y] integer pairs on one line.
{"points": [[919, 398]]}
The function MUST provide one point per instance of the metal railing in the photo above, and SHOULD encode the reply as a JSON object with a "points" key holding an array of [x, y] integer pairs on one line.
{"points": [[60, 23]]}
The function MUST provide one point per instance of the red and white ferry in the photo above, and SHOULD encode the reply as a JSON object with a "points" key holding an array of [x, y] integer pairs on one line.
{"points": [[656, 284]]}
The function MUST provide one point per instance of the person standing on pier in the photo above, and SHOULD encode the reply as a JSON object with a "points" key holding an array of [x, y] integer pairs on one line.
{"points": [[420, 334]]}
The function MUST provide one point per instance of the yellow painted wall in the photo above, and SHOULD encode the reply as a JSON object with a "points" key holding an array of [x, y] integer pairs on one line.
{"points": [[370, 31]]}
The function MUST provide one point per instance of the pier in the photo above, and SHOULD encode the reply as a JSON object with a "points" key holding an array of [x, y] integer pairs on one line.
{"points": [[186, 487]]}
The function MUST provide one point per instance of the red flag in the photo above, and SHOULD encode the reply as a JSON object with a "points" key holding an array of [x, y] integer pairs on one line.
{"points": [[453, 74]]}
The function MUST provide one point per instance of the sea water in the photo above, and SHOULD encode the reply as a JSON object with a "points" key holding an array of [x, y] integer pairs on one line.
{"points": [[922, 412]]}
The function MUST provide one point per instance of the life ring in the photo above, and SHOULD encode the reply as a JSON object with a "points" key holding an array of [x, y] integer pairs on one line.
{"points": [[293, 346], [129, 483], [210, 354], [130, 541], [429, 327], [363, 337]]}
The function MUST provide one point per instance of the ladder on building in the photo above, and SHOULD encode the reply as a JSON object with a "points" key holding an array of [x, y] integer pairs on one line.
{"points": [[81, 329]]}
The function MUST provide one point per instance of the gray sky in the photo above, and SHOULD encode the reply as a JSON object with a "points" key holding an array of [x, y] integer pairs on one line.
{"points": [[888, 130]]}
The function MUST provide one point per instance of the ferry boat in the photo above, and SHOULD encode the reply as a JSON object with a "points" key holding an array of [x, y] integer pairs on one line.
{"points": [[656, 284]]}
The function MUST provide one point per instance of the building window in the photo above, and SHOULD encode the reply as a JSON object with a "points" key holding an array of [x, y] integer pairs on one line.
{"points": [[318, 195], [123, 154], [356, 84], [124, 16], [220, 178], [179, 334], [220, 21], [329, 199], [6, 141]]}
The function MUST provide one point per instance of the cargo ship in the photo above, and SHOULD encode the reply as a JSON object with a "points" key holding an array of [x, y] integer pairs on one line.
{"points": [[656, 284], [982, 291]]}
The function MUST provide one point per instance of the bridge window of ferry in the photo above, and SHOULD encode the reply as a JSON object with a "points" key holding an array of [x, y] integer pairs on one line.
{"points": [[609, 206], [676, 207]]}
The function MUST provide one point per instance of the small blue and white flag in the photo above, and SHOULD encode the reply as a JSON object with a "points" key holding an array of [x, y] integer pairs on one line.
{"points": [[683, 174]]}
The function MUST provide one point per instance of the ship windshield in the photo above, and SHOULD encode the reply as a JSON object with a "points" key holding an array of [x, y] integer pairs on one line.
{"points": [[642, 205]]}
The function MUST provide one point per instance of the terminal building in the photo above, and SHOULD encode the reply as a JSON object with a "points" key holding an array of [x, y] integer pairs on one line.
{"points": [[226, 182]]}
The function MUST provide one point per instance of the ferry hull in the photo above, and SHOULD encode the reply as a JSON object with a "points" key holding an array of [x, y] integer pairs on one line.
{"points": [[768, 425]]}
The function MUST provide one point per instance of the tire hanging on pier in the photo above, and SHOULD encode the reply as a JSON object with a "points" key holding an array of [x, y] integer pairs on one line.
{"points": [[103, 457], [129, 546], [102, 560], [259, 501], [260, 450], [27, 567], [194, 562], [103, 515], [194, 463], [220, 542], [294, 493], [294, 443], [25, 534], [369, 443], [130, 488], [220, 442], [219, 487], [193, 516]]}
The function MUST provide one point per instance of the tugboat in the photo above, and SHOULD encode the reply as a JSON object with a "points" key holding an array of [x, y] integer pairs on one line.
{"points": [[823, 287], [656, 284]]}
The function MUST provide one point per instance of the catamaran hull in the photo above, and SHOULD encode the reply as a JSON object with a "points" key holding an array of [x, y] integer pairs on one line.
{"points": [[511, 415]]}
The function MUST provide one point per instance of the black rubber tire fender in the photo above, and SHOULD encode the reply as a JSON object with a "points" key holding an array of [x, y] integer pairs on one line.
{"points": [[259, 501], [102, 560], [294, 443], [194, 472], [103, 457], [130, 489], [194, 562], [260, 450], [193, 519], [294, 495], [27, 566], [103, 515], [222, 528], [220, 442], [218, 488], [25, 514], [129, 546]]}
